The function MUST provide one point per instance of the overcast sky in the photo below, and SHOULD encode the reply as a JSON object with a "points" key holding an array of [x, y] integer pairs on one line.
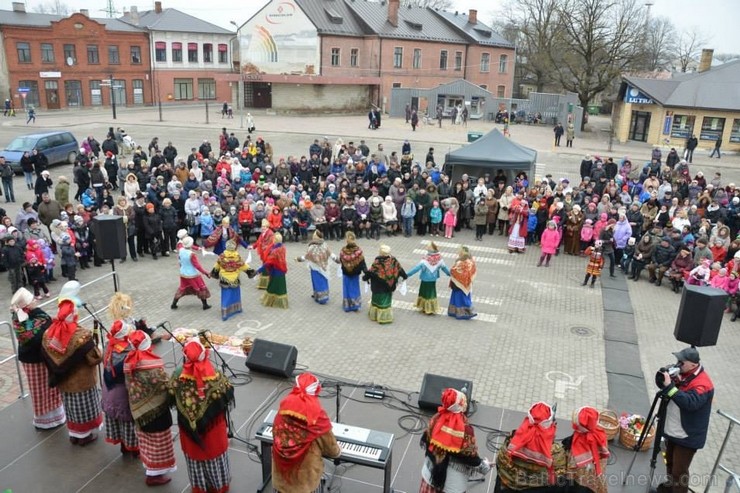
{"points": [[716, 19]]}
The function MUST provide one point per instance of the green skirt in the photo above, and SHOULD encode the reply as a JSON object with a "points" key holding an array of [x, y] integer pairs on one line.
{"points": [[380, 308], [263, 280], [276, 295], [427, 299]]}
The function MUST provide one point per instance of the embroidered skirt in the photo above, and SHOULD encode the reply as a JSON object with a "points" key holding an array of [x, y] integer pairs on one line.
{"points": [[157, 452], [516, 242], [380, 308], [320, 286], [276, 295], [351, 295], [209, 476], [48, 410], [427, 299], [83, 412], [263, 280], [461, 305], [192, 286], [231, 302]]}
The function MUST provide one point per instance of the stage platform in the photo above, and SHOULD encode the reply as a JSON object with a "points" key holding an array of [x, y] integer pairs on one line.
{"points": [[41, 462]]}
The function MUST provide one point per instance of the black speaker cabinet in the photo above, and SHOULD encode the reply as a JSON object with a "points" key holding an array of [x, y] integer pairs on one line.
{"points": [[700, 315], [430, 395], [110, 237], [272, 358]]}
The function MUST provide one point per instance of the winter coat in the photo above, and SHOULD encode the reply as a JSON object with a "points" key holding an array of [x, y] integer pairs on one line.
{"points": [[152, 225], [549, 241], [450, 218], [169, 218], [481, 214], [622, 233]]}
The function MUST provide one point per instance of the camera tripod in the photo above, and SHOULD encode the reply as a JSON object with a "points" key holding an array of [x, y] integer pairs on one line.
{"points": [[657, 417]]}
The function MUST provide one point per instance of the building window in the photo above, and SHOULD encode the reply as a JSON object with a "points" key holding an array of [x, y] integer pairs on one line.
{"points": [[484, 87], [443, 60], [176, 52], [683, 126], [712, 128], [458, 61], [138, 85], [32, 96], [501, 92], [735, 134], [206, 88], [136, 54], [24, 52], [96, 94], [119, 91], [183, 89], [70, 54], [208, 53], [47, 53], [335, 57], [417, 58], [223, 53], [114, 57], [73, 92], [485, 62], [193, 52], [396, 84], [503, 60], [160, 51], [397, 57], [93, 57], [354, 55]]}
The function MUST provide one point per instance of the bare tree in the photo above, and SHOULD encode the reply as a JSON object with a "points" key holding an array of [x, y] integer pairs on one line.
{"points": [[727, 57], [688, 48], [432, 4], [56, 7], [659, 47]]}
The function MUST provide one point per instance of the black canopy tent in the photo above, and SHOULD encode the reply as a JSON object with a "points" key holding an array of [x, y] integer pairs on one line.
{"points": [[491, 152]]}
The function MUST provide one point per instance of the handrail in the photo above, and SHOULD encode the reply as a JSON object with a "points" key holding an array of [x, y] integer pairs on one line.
{"points": [[732, 478], [734, 420], [717, 465], [14, 356]]}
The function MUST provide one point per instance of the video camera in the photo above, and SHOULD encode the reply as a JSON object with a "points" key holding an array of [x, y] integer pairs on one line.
{"points": [[672, 370]]}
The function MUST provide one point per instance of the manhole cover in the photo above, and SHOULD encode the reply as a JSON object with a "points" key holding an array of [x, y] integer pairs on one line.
{"points": [[582, 331]]}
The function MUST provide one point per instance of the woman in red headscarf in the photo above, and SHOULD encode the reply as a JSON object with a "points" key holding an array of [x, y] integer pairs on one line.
{"points": [[303, 435], [450, 448], [202, 396], [146, 383], [588, 450]]}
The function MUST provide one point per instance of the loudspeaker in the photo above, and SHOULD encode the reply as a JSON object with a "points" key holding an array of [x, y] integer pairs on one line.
{"points": [[430, 395], [110, 237], [700, 315], [272, 358]]}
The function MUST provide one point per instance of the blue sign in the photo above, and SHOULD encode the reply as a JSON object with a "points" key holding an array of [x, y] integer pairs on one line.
{"points": [[24, 89], [635, 96], [667, 124]]}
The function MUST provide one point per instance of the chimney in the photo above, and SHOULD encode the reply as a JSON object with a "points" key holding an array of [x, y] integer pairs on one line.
{"points": [[85, 12], [706, 60], [158, 7], [134, 15], [473, 16], [393, 6], [19, 7]]}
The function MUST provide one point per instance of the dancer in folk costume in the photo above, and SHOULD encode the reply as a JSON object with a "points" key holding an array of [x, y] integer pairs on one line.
{"points": [[303, 436], [462, 276], [202, 395], [429, 269], [146, 384], [318, 256], [450, 449], [588, 451], [383, 275], [72, 357], [262, 245], [227, 269], [352, 261], [119, 424], [221, 234], [276, 293], [191, 282], [595, 263], [518, 217], [29, 324]]}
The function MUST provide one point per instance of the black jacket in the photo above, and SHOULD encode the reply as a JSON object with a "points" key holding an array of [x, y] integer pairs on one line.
{"points": [[152, 225], [169, 217], [664, 255]]}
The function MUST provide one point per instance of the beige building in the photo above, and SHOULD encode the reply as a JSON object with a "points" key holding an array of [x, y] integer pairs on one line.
{"points": [[667, 112]]}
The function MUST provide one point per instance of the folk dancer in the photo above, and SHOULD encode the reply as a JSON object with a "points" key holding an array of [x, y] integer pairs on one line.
{"points": [[318, 256], [276, 294], [518, 217], [462, 275], [202, 395], [352, 261], [262, 245], [227, 269], [119, 424], [429, 269], [383, 276], [146, 383], [303, 435], [72, 357], [221, 234], [29, 324], [191, 282], [450, 449]]}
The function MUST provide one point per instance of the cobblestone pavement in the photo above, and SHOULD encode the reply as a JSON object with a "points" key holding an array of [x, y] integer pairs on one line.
{"points": [[538, 336]]}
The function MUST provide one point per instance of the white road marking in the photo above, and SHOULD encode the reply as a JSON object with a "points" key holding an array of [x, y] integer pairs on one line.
{"points": [[478, 260], [409, 306]]}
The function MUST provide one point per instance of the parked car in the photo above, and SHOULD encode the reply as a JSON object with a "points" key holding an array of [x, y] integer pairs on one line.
{"points": [[58, 147]]}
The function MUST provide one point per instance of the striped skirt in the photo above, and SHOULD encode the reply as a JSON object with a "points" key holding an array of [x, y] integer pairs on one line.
{"points": [[209, 476], [121, 432], [83, 412], [157, 452], [48, 410]]}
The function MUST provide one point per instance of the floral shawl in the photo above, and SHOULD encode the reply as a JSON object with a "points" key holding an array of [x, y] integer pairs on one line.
{"points": [[352, 259], [462, 274], [318, 255], [433, 261], [387, 269], [228, 267]]}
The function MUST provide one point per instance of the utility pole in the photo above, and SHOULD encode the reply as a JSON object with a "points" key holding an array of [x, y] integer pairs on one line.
{"points": [[112, 97]]}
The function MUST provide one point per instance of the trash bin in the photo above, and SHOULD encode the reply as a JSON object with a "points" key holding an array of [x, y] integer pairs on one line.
{"points": [[593, 109], [473, 136]]}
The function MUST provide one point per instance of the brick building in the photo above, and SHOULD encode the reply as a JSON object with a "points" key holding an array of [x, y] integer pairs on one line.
{"points": [[309, 55], [56, 62]]}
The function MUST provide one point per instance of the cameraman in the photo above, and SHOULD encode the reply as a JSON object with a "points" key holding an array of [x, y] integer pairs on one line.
{"points": [[687, 417]]}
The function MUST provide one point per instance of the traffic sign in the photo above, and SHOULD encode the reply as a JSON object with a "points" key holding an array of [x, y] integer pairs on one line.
{"points": [[24, 89]]}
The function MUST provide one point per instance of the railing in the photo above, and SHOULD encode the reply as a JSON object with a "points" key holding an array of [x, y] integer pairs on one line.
{"points": [[14, 356], [733, 477]]}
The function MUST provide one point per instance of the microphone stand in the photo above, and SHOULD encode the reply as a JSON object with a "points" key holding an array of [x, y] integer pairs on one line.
{"points": [[97, 337], [163, 325]]}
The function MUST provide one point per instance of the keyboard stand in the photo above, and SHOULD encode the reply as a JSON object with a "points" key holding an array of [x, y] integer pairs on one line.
{"points": [[266, 453]]}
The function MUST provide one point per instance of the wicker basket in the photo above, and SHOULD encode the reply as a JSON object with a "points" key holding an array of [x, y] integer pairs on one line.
{"points": [[247, 345], [609, 421], [629, 439]]}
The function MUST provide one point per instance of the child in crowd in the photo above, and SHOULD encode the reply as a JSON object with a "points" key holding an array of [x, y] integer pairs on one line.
{"points": [[535, 213], [408, 212], [587, 235], [627, 254], [206, 222], [699, 275], [450, 221], [435, 218], [36, 275], [69, 256], [49, 259], [549, 242], [595, 263]]}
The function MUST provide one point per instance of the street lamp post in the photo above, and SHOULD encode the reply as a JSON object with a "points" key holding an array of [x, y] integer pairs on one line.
{"points": [[112, 97], [239, 98]]}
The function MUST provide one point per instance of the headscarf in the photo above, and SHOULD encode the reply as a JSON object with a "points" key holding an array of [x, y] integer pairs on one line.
{"points": [[589, 439], [117, 343], [299, 421], [63, 326], [146, 380], [141, 356], [433, 259], [533, 440], [318, 253], [351, 255], [197, 366], [448, 427], [20, 304]]}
